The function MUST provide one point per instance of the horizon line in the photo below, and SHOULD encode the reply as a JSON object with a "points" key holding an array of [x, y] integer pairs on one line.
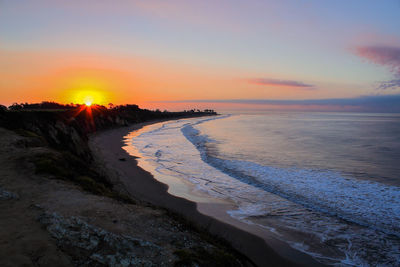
{"points": [[395, 98]]}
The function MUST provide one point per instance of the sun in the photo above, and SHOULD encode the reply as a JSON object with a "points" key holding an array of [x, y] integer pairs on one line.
{"points": [[89, 97], [87, 91], [88, 103], [88, 100]]}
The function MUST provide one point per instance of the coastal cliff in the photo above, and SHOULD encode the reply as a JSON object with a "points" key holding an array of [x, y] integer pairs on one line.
{"points": [[65, 131], [67, 127], [57, 208]]}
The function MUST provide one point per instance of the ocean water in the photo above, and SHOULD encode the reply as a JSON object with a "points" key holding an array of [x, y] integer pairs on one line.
{"points": [[328, 184]]}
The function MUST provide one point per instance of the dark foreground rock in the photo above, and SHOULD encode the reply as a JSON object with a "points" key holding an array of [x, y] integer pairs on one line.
{"points": [[92, 246]]}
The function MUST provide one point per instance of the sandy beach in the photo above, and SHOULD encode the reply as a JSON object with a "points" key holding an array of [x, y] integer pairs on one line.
{"points": [[51, 221], [122, 168]]}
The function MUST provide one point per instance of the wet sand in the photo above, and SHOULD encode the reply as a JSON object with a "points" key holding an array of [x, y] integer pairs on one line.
{"points": [[253, 241]]}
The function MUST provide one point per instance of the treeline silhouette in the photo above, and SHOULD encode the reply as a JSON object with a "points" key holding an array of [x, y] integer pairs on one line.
{"points": [[49, 106]]}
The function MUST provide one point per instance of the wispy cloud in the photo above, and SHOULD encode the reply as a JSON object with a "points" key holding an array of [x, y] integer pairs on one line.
{"points": [[392, 84], [277, 82], [387, 56]]}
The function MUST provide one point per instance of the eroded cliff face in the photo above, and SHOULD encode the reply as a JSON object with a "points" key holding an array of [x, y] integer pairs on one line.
{"points": [[61, 137], [61, 130], [68, 129]]}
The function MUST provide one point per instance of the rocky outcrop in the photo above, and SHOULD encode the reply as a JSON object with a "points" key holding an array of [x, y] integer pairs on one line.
{"points": [[92, 246]]}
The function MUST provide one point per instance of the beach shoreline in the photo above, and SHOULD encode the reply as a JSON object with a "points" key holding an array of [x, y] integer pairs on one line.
{"points": [[128, 177]]}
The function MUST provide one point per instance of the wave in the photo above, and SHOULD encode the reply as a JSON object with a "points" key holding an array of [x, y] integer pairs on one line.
{"points": [[295, 204], [363, 202]]}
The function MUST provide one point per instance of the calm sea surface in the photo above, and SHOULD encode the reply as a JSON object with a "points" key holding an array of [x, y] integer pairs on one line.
{"points": [[328, 184]]}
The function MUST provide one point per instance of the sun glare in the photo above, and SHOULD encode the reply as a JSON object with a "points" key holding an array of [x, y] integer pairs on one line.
{"points": [[88, 100], [89, 97], [86, 90]]}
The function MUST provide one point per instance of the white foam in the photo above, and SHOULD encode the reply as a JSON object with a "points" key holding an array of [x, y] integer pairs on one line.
{"points": [[363, 202], [286, 195]]}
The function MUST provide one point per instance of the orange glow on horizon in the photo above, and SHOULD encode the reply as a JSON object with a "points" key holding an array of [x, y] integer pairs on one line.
{"points": [[74, 77], [88, 97], [86, 89]]}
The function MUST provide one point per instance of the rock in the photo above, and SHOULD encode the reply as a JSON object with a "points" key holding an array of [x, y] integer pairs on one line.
{"points": [[6, 195], [91, 245]]}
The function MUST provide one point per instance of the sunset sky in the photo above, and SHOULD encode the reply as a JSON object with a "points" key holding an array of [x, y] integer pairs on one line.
{"points": [[165, 53]]}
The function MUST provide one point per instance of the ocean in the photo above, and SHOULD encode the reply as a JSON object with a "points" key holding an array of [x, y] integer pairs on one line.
{"points": [[327, 184]]}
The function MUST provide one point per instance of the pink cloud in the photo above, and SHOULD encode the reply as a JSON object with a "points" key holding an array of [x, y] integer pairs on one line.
{"points": [[277, 82], [387, 56]]}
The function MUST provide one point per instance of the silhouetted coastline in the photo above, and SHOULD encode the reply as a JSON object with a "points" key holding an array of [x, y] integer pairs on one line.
{"points": [[46, 153]]}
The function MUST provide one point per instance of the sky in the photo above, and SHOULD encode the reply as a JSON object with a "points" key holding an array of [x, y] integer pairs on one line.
{"points": [[175, 53]]}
